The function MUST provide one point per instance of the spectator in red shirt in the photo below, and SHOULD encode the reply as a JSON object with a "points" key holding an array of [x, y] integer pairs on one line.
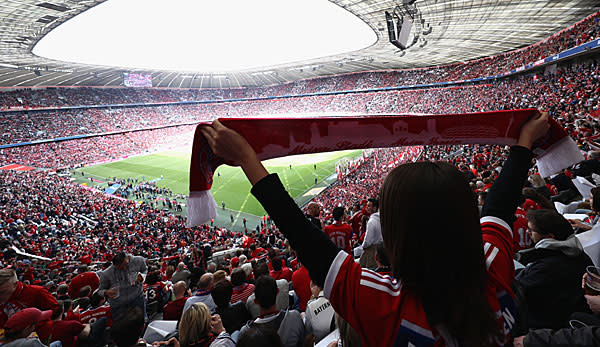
{"points": [[68, 332], [279, 271], [339, 232], [20, 326], [301, 284], [84, 278], [97, 310], [241, 289], [15, 296], [174, 309]]}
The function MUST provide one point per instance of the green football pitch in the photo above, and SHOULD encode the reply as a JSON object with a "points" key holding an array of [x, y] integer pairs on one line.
{"points": [[171, 169]]}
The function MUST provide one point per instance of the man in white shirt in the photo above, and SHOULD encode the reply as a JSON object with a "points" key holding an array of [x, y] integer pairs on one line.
{"points": [[368, 249], [319, 315]]}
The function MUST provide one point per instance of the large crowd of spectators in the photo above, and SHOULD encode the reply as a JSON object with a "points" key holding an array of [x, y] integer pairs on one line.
{"points": [[103, 270], [571, 93]]}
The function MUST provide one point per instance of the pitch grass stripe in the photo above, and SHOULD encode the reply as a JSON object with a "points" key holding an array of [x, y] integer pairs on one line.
{"points": [[232, 187], [302, 178]]}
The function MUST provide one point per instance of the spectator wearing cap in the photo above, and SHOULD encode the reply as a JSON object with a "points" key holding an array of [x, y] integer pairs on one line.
{"points": [[19, 327], [15, 296], [182, 274], [174, 309], [241, 289], [234, 263], [72, 333], [551, 280]]}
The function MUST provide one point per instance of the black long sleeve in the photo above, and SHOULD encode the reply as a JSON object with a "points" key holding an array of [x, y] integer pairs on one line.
{"points": [[503, 197], [313, 247]]}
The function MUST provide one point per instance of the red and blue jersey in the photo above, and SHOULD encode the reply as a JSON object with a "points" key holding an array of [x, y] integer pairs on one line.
{"points": [[395, 317]]}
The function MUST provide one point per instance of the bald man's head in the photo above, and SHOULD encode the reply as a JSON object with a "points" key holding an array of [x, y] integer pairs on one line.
{"points": [[179, 289], [314, 209], [205, 282]]}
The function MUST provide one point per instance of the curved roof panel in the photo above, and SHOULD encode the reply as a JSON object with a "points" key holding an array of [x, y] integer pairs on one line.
{"points": [[460, 30]]}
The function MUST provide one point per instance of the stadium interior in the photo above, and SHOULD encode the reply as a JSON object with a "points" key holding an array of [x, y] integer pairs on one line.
{"points": [[352, 237]]}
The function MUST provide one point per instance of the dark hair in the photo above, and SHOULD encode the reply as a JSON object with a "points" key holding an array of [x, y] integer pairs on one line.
{"points": [[238, 276], [255, 336], [60, 310], [221, 293], [119, 258], [96, 299], [382, 256], [265, 291], [84, 292], [338, 213], [375, 202], [448, 249], [548, 222], [153, 277], [276, 263], [261, 269], [596, 196], [532, 194], [127, 327]]}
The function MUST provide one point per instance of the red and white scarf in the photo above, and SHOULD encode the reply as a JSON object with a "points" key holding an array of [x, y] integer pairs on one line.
{"points": [[278, 137]]}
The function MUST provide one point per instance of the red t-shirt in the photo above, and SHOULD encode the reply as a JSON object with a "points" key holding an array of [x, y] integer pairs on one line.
{"points": [[65, 331], [521, 239], [395, 315], [301, 283], [91, 315], [174, 309], [85, 279], [285, 273], [27, 296], [340, 234]]}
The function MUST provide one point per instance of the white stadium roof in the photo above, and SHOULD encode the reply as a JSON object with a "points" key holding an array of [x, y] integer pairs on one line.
{"points": [[460, 31]]}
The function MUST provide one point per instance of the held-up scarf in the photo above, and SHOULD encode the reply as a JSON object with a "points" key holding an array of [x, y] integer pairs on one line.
{"points": [[278, 137]]}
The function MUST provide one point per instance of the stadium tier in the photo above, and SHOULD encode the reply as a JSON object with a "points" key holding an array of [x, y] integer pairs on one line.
{"points": [[331, 249]]}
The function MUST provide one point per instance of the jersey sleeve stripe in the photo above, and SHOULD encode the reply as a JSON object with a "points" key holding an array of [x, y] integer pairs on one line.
{"points": [[486, 247], [417, 329], [380, 287], [394, 285], [489, 259], [497, 221], [333, 272]]}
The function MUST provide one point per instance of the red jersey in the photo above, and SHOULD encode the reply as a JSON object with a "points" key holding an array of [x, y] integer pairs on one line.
{"points": [[340, 234], [285, 273], [301, 283], [85, 279], [395, 317], [174, 309], [27, 296], [521, 239], [91, 315]]}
